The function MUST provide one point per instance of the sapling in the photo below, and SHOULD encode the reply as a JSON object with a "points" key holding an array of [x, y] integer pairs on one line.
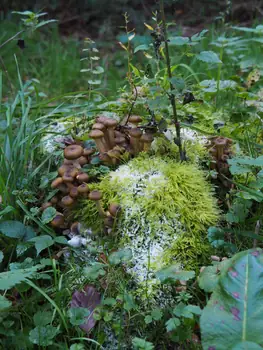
{"points": [[171, 94]]}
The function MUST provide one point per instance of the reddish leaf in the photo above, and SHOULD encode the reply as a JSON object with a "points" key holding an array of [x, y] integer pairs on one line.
{"points": [[90, 299]]}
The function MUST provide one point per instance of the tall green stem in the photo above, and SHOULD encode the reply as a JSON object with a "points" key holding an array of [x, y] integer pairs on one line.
{"points": [[172, 97]]}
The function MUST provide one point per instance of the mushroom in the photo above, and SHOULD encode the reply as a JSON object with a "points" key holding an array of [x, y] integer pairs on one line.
{"points": [[135, 135], [109, 221], [120, 140], [74, 192], [97, 136], [146, 140], [63, 188], [67, 201], [88, 152], [114, 155], [134, 120], [82, 160], [83, 188], [63, 168], [111, 125], [45, 206], [220, 143], [83, 177], [99, 126], [96, 196], [114, 209], [55, 183], [58, 220], [105, 158], [74, 228], [54, 200], [73, 152], [67, 177]]}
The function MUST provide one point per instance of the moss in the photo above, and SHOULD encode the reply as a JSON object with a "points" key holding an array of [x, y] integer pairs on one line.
{"points": [[166, 209]]}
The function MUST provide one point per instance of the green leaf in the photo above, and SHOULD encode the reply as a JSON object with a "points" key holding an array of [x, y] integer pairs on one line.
{"points": [[193, 309], [4, 303], [122, 255], [173, 273], [43, 336], [216, 236], [157, 314], [178, 41], [172, 324], [1, 256], [94, 82], [199, 36], [129, 303], [48, 215], [143, 47], [77, 346], [42, 318], [94, 271], [9, 279], [15, 229], [209, 57], [77, 315], [142, 344], [109, 301], [98, 70], [42, 242], [148, 319], [209, 278], [233, 315], [43, 23], [61, 240], [26, 264]]}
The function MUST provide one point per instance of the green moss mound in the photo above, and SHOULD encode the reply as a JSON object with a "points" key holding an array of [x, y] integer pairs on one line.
{"points": [[166, 209]]}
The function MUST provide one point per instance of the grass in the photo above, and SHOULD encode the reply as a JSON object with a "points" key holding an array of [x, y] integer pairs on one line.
{"points": [[39, 315]]}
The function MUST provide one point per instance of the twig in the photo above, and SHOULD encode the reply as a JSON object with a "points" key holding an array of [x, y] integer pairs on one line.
{"points": [[172, 97], [12, 38]]}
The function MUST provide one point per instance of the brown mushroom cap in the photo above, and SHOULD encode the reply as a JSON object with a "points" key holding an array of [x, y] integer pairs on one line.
{"points": [[73, 152], [95, 195], [114, 208], [55, 183], [58, 220], [45, 206], [101, 119], [120, 140], [83, 177], [118, 133], [54, 200], [74, 192], [135, 132], [88, 152], [63, 168], [83, 160], [96, 134], [111, 123], [67, 177], [83, 188], [135, 119], [75, 227], [67, 201], [99, 126], [147, 138], [63, 188]]}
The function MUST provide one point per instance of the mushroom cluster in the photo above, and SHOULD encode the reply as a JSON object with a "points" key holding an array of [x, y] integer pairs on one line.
{"points": [[71, 182], [220, 150], [113, 139]]}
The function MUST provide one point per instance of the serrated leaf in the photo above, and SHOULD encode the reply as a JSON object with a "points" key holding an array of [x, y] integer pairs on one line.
{"points": [[148, 319], [9, 279], [172, 324], [78, 315], [143, 47], [4, 303], [208, 57], [173, 273], [194, 309], [94, 271], [237, 302], [42, 242], [142, 344], [208, 278], [122, 255], [48, 215], [43, 336], [77, 346], [157, 314]]}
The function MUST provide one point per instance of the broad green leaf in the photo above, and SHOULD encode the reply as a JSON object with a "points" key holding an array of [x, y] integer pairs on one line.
{"points": [[143, 47], [9, 279], [61, 240], [48, 215], [216, 236], [78, 315], [148, 319], [232, 318], [109, 301], [173, 273], [209, 57], [199, 36], [178, 41], [15, 229], [42, 318], [42, 242], [43, 336], [129, 303], [26, 264], [122, 255], [77, 346], [1, 256], [157, 314], [208, 278], [194, 309], [94, 271], [4, 303], [172, 324]]}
